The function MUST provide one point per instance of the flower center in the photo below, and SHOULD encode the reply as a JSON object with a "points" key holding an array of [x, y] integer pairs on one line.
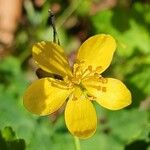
{"points": [[80, 74]]}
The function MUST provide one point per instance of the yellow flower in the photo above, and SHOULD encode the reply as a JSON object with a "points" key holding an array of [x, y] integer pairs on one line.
{"points": [[82, 84]]}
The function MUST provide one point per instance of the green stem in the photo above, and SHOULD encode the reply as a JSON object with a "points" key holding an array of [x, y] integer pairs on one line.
{"points": [[77, 143], [68, 12]]}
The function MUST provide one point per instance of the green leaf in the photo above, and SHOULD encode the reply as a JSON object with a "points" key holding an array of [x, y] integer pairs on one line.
{"points": [[138, 144], [8, 133], [8, 140], [129, 125], [130, 27]]}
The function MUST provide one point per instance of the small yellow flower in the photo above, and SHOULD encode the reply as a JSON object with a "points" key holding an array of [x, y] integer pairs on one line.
{"points": [[82, 84]]}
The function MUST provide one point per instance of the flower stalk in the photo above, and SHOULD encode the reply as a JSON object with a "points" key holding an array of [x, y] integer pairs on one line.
{"points": [[77, 143]]}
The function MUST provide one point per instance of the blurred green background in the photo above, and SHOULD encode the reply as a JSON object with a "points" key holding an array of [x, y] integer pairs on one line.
{"points": [[129, 22]]}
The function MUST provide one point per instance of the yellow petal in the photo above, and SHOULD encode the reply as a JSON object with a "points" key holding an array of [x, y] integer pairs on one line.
{"points": [[43, 98], [51, 58], [80, 116], [110, 93], [97, 51]]}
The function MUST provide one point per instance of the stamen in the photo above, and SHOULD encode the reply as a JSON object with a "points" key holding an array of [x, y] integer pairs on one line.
{"points": [[91, 98], [86, 72], [93, 78], [77, 69], [75, 80], [89, 95], [103, 89], [92, 72], [74, 98], [96, 75], [66, 79], [99, 88], [98, 69], [103, 80], [60, 84], [90, 68]]}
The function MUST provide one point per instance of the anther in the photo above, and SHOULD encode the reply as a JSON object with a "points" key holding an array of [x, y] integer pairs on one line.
{"points": [[79, 76], [75, 68], [75, 80], [61, 85], [74, 98], [103, 89], [90, 68], [91, 98], [98, 69], [103, 80], [96, 75], [66, 79], [99, 88]]}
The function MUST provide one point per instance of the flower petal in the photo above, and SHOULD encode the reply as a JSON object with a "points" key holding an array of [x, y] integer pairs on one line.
{"points": [[80, 116], [43, 98], [97, 51], [110, 93], [51, 58]]}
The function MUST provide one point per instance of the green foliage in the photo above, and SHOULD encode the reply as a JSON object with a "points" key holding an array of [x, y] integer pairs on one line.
{"points": [[127, 129], [131, 27], [9, 141]]}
